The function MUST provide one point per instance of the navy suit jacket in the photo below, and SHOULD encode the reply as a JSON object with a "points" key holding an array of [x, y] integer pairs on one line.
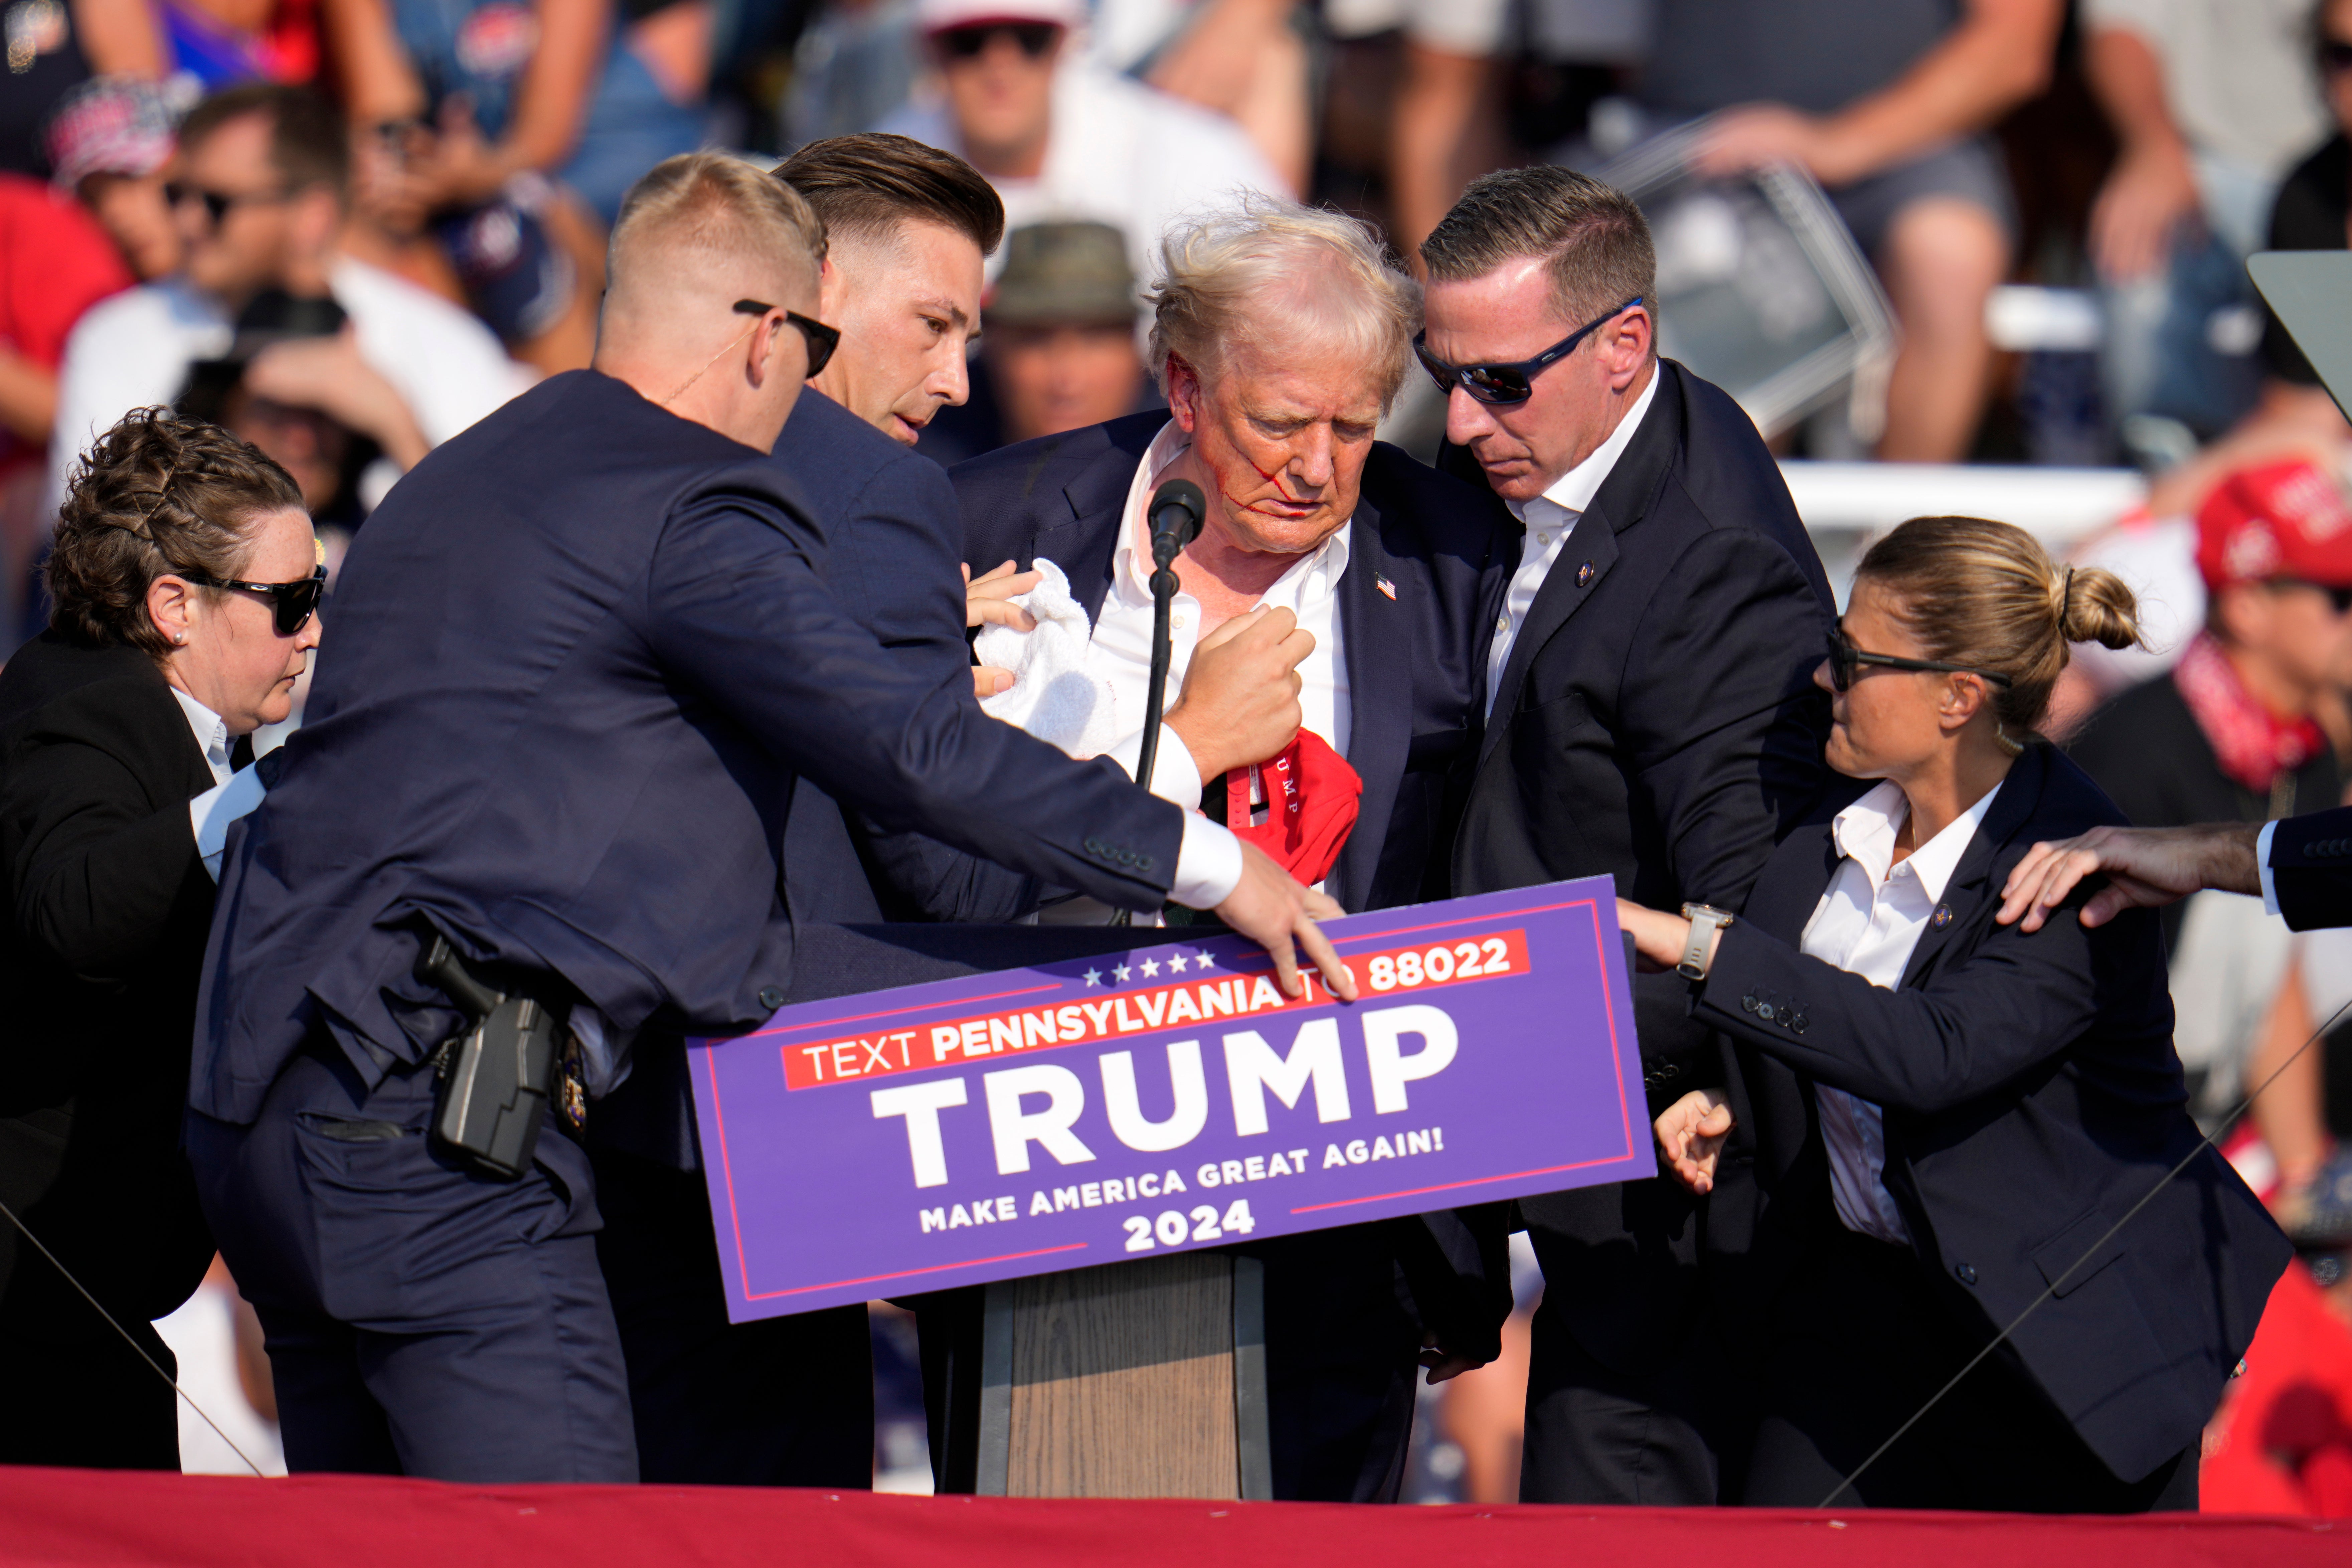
{"points": [[2032, 1098], [581, 653], [2311, 867], [893, 541], [1416, 662]]}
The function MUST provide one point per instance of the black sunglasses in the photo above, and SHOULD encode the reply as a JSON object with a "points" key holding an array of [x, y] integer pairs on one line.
{"points": [[970, 43], [2335, 54], [216, 206], [821, 340], [1845, 659], [1506, 383], [294, 601]]}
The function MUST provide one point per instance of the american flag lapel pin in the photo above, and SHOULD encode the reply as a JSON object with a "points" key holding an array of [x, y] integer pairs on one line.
{"points": [[1387, 588]]}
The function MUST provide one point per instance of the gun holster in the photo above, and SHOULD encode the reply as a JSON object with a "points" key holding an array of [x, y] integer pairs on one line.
{"points": [[496, 1073]]}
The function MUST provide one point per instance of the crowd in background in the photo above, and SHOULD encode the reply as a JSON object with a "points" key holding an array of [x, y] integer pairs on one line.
{"points": [[346, 229]]}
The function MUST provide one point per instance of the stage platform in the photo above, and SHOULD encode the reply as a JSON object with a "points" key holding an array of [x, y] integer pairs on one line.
{"points": [[86, 1517]]}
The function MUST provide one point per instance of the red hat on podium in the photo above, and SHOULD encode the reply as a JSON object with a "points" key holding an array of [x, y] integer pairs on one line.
{"points": [[2278, 520]]}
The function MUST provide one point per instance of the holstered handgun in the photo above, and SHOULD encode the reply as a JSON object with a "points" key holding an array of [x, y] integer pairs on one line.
{"points": [[495, 1074]]}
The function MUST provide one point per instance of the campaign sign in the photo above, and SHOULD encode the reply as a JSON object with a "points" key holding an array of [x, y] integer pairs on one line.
{"points": [[1096, 1109]]}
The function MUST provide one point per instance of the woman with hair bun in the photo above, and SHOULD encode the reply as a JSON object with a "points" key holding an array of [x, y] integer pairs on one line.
{"points": [[186, 583], [1952, 1120]]}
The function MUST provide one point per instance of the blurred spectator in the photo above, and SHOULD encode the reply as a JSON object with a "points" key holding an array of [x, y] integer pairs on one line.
{"points": [[55, 46], [2229, 736], [1061, 139], [1243, 58], [108, 144], [1059, 352], [55, 263], [583, 91], [853, 69], [2296, 417], [2211, 101], [293, 386], [258, 193], [1444, 125], [1884, 102]]}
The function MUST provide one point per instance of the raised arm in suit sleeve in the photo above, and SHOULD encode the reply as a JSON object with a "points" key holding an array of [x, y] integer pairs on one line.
{"points": [[94, 869], [736, 606], [1720, 723], [2014, 1003], [2309, 870]]}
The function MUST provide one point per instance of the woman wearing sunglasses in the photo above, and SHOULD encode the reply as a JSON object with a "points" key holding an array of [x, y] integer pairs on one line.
{"points": [[1950, 1120], [187, 586]]}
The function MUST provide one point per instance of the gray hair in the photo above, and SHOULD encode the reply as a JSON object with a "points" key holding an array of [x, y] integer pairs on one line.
{"points": [[1268, 271], [1592, 239]]}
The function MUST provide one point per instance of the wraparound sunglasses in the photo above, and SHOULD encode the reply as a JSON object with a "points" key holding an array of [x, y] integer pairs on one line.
{"points": [[1512, 383], [294, 601], [1845, 660]]}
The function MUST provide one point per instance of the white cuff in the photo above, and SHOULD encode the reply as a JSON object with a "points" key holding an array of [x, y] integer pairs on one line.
{"points": [[2262, 865], [210, 813], [1209, 866], [1174, 774]]}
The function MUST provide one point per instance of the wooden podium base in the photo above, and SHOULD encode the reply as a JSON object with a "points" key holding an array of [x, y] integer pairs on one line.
{"points": [[1142, 1379]]}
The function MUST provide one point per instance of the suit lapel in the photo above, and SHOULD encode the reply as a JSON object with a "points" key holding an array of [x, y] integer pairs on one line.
{"points": [[1972, 877], [1377, 634], [1084, 542], [1622, 501]]}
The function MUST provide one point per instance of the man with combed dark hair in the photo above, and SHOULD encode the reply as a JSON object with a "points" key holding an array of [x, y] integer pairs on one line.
{"points": [[1650, 716], [789, 1401], [614, 605]]}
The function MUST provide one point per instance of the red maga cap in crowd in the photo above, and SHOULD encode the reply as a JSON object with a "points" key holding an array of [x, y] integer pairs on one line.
{"points": [[2280, 520]]}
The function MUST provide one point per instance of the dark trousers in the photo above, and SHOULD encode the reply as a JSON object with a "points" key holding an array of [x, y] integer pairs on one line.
{"points": [[85, 1399], [1670, 1436], [1859, 1341], [779, 1401], [420, 1319]]}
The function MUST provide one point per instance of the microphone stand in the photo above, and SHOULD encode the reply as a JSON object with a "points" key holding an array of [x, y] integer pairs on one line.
{"points": [[1168, 537]]}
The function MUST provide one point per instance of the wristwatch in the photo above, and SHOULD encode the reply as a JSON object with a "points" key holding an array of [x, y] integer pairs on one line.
{"points": [[1706, 923]]}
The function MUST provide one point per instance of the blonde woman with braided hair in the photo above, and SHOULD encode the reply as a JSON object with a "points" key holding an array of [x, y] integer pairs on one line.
{"points": [[1957, 1125], [185, 582]]}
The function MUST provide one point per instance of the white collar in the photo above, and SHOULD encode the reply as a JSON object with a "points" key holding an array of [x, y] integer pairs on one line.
{"points": [[1132, 558], [1573, 491], [209, 728], [1864, 833]]}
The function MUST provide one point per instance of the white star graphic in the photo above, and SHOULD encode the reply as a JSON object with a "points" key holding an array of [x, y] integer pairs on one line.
{"points": [[1094, 976], [1205, 961], [1151, 968], [1176, 963], [1119, 973]]}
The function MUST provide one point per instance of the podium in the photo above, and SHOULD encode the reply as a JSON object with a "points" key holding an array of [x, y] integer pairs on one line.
{"points": [[1139, 1379]]}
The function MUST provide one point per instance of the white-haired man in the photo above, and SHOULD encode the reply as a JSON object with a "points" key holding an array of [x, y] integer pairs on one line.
{"points": [[1338, 586], [607, 595]]}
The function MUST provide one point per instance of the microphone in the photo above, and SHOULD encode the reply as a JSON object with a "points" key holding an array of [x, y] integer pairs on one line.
{"points": [[1177, 509]]}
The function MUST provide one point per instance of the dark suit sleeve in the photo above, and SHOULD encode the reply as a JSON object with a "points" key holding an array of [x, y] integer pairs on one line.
{"points": [[94, 867], [896, 568], [1721, 732], [1978, 1024], [736, 606], [2311, 868]]}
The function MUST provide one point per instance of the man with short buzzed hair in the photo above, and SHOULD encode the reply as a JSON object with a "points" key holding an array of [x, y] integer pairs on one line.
{"points": [[1650, 715], [584, 652]]}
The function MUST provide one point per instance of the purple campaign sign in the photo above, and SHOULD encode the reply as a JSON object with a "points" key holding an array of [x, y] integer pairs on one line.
{"points": [[1087, 1111]]}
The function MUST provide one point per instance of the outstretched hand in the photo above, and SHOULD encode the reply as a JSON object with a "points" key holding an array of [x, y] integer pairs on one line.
{"points": [[2146, 867], [1271, 909]]}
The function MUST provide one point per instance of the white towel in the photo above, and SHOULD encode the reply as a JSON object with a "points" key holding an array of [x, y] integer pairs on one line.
{"points": [[1054, 696]]}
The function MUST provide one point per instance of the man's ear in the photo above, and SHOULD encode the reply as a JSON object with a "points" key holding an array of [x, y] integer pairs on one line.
{"points": [[1628, 347], [317, 219], [1184, 394]]}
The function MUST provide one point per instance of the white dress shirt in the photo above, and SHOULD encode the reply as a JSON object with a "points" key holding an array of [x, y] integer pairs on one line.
{"points": [[234, 792], [1868, 922], [1549, 518]]}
